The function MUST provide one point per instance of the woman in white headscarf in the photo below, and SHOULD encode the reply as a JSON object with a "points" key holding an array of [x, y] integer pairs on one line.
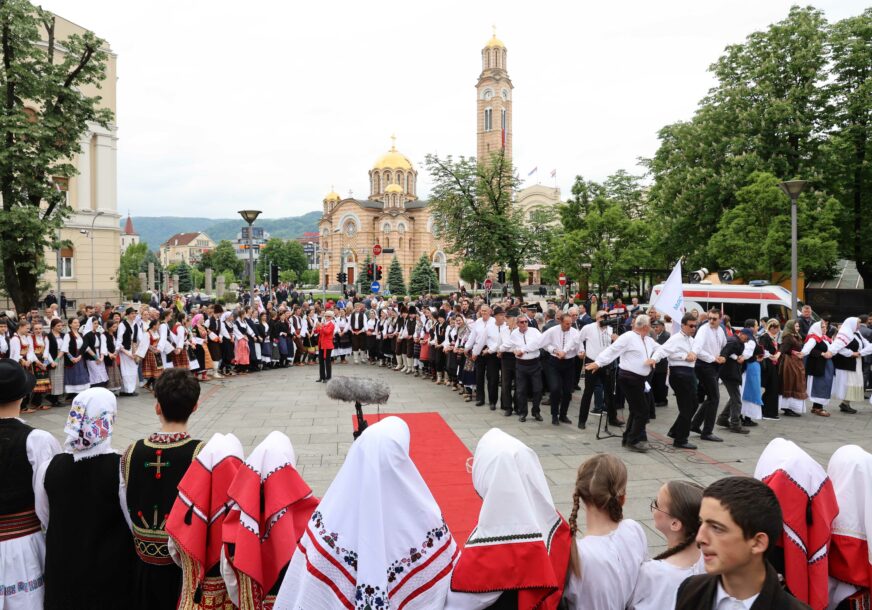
{"points": [[77, 501], [378, 539], [518, 526], [848, 348]]}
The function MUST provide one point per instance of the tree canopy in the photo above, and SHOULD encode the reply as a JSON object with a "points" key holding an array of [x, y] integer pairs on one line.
{"points": [[222, 258], [424, 280], [395, 277]]}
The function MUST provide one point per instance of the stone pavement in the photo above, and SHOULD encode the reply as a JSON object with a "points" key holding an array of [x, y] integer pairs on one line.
{"points": [[289, 400]]}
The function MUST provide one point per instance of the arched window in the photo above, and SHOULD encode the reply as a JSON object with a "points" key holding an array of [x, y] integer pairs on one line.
{"points": [[488, 119], [377, 179], [409, 183], [386, 228], [400, 178]]}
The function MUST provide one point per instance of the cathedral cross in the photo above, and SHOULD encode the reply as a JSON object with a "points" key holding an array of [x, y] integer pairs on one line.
{"points": [[158, 464]]}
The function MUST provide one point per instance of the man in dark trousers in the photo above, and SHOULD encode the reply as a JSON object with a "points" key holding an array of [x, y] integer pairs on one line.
{"points": [[661, 336], [678, 351], [740, 519], [707, 345], [731, 375]]}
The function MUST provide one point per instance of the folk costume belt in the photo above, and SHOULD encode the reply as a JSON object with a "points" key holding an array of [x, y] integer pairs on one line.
{"points": [[18, 525]]}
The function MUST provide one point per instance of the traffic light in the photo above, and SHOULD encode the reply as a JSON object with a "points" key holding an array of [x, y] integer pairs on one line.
{"points": [[273, 274], [369, 272], [378, 272], [339, 278], [501, 277], [343, 277]]}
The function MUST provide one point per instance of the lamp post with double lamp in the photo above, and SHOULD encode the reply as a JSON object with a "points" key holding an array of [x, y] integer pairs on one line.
{"points": [[792, 189], [250, 216], [90, 234]]}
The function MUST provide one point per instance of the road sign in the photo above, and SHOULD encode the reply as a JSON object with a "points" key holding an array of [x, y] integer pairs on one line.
{"points": [[561, 279], [375, 287], [488, 284], [387, 250], [376, 250]]}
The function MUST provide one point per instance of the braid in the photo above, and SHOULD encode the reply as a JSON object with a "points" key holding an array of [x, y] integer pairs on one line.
{"points": [[614, 508], [573, 516], [677, 548]]}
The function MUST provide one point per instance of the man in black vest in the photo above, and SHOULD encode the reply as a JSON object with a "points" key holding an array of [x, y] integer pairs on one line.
{"points": [[128, 337], [358, 333], [151, 470]]}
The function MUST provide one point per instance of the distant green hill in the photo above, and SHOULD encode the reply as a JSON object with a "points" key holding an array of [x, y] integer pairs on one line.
{"points": [[155, 230]]}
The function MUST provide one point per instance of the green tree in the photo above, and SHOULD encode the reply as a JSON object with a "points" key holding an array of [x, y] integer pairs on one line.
{"points": [[223, 258], [43, 114], [472, 272], [310, 277], [423, 280], [273, 251], [183, 270], [133, 262], [754, 236], [473, 212], [363, 283], [395, 277], [296, 261]]}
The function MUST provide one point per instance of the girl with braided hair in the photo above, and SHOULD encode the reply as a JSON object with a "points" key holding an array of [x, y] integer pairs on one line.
{"points": [[605, 562], [676, 516]]}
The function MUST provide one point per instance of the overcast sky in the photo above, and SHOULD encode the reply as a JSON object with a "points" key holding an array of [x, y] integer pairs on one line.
{"points": [[221, 108]]}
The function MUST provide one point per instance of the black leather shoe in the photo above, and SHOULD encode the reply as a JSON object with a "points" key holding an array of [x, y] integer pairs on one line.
{"points": [[479, 403], [508, 413], [723, 423], [537, 417], [318, 380], [712, 438], [684, 445], [616, 422], [844, 408], [640, 447], [582, 425], [738, 429], [696, 429], [565, 420], [555, 421], [522, 419], [748, 422], [493, 407]]}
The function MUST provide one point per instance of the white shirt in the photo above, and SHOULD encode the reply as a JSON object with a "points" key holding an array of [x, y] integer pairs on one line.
{"points": [[723, 601], [487, 334], [676, 349], [555, 339], [658, 584], [633, 350], [594, 339], [708, 343], [528, 342]]}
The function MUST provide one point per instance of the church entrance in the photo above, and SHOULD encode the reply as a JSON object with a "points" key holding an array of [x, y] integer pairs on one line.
{"points": [[350, 273]]}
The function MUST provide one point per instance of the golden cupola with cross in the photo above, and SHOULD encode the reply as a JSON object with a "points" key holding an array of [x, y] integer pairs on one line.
{"points": [[393, 179]]}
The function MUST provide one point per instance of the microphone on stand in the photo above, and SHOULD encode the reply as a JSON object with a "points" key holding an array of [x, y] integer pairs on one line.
{"points": [[360, 391]]}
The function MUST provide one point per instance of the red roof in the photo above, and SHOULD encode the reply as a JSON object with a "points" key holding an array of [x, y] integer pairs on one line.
{"points": [[128, 227], [181, 239]]}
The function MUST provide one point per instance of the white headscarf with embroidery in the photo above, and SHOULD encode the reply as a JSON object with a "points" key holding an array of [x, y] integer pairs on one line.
{"points": [[89, 424]]}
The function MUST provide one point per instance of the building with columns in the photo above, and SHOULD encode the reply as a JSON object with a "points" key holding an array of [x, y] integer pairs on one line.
{"points": [[89, 265]]}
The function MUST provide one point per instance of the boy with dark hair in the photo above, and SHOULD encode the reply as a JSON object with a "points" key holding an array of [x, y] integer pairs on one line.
{"points": [[741, 520], [151, 469]]}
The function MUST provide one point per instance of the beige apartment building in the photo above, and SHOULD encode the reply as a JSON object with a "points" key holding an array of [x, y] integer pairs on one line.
{"points": [[89, 266], [185, 247]]}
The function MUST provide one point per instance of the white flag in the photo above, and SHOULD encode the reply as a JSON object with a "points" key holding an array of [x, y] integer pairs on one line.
{"points": [[670, 301]]}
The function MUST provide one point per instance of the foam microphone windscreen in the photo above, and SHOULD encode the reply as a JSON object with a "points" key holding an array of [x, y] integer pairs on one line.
{"points": [[358, 389]]}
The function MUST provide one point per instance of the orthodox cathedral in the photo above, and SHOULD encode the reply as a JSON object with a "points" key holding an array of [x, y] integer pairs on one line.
{"points": [[393, 215]]}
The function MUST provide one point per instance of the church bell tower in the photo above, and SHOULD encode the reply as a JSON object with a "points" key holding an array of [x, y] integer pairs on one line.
{"points": [[494, 102]]}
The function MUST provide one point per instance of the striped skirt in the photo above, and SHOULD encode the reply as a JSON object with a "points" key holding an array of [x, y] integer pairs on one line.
{"points": [[56, 376], [151, 365]]}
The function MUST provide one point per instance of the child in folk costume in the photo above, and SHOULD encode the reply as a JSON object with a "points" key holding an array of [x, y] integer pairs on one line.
{"points": [[536, 540], [324, 333], [179, 340], [849, 348], [269, 507], [819, 367], [413, 349], [467, 366], [77, 503], [55, 340], [249, 321], [152, 469], [76, 378], [25, 449], [792, 382], [355, 554], [4, 338], [196, 521], [422, 343], [149, 352], [110, 358], [605, 563]]}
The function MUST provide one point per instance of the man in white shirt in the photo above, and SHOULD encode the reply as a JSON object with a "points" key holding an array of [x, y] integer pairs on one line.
{"points": [[484, 354], [707, 345], [635, 349], [678, 350], [525, 342], [506, 359], [594, 339], [561, 342]]}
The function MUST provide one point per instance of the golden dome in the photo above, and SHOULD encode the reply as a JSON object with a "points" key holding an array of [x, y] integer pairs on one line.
{"points": [[394, 188], [494, 41], [393, 159], [332, 196]]}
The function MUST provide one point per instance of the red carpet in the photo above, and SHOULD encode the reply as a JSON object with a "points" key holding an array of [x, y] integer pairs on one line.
{"points": [[441, 459]]}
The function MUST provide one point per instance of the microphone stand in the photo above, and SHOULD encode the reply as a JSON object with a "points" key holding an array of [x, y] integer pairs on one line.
{"points": [[361, 422]]}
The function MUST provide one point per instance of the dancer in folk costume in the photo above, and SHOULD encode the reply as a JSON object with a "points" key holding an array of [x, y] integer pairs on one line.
{"points": [[180, 343], [819, 367], [770, 376], [95, 352], [356, 554], [77, 502], [849, 348], [850, 470], [127, 340], [150, 355], [534, 540], [165, 345], [76, 378], [21, 352], [198, 351], [23, 450], [342, 338], [196, 521], [270, 505], [808, 506], [110, 358], [241, 346], [792, 381], [55, 340]]}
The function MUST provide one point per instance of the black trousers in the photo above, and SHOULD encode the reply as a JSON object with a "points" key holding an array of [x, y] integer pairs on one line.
{"points": [[487, 366], [658, 386], [325, 364], [561, 381], [528, 383], [733, 410], [682, 379], [508, 398], [633, 386], [603, 375], [707, 376]]}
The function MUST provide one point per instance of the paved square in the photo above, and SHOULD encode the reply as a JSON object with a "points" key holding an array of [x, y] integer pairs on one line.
{"points": [[289, 400]]}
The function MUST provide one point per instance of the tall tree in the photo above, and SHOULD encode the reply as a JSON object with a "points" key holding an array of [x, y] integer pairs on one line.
{"points": [[43, 114], [129, 268], [395, 277], [223, 258], [472, 272], [474, 213], [186, 282], [423, 280]]}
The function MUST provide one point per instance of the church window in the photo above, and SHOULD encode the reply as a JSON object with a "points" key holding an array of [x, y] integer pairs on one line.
{"points": [[377, 188], [386, 227], [409, 183], [503, 118], [400, 178], [401, 228], [488, 119]]}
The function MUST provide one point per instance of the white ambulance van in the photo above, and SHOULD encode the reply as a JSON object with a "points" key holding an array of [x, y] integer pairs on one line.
{"points": [[738, 301]]}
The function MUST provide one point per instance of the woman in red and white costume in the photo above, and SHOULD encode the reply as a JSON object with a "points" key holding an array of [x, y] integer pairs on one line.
{"points": [[377, 539], [518, 554]]}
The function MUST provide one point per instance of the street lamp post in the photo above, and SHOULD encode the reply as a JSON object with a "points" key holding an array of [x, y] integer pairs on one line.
{"points": [[90, 235], [250, 216], [792, 188]]}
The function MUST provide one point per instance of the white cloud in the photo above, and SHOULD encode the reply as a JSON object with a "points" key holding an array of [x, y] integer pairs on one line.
{"points": [[271, 105]]}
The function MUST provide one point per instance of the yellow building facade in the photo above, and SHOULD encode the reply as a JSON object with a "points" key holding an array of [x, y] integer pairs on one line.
{"points": [[89, 267]]}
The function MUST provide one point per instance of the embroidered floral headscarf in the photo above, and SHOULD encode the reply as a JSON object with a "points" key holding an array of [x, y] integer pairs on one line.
{"points": [[89, 424]]}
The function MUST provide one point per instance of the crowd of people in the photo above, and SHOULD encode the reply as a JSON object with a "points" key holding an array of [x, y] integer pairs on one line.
{"points": [[175, 522]]}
